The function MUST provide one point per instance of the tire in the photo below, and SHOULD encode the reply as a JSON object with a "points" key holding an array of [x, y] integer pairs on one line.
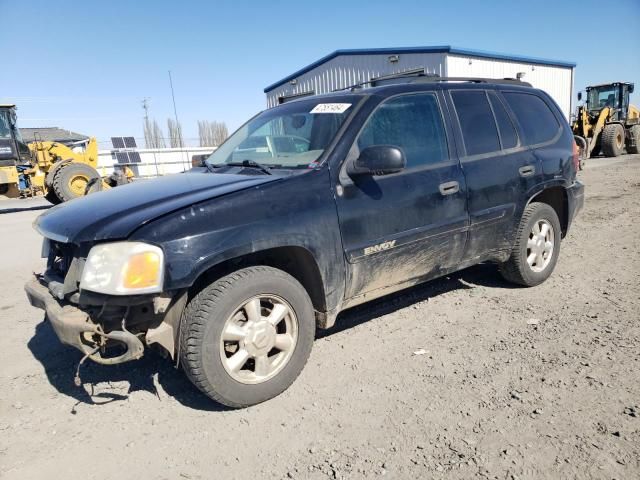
{"points": [[71, 180], [517, 269], [596, 150], [634, 133], [52, 197], [612, 140], [207, 359]]}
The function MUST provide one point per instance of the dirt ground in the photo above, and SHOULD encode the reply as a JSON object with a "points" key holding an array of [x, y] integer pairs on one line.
{"points": [[463, 377]]}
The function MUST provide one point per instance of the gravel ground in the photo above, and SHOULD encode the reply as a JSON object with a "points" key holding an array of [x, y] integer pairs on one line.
{"points": [[462, 377]]}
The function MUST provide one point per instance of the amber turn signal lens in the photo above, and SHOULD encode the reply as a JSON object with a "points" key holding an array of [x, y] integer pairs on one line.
{"points": [[142, 271]]}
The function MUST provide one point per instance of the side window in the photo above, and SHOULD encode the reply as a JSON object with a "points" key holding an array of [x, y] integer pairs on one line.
{"points": [[536, 119], [507, 131], [411, 122], [476, 120]]}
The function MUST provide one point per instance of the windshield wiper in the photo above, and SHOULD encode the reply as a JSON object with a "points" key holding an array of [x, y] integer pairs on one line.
{"points": [[251, 164], [212, 166]]}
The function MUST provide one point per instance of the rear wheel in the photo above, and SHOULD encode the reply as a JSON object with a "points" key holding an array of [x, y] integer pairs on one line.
{"points": [[635, 139], [537, 246], [246, 337], [71, 180], [612, 140]]}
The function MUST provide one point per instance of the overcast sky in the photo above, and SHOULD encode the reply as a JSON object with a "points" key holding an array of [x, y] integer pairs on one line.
{"points": [[86, 66]]}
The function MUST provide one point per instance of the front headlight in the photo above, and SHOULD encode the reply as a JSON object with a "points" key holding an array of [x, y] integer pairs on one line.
{"points": [[123, 268]]}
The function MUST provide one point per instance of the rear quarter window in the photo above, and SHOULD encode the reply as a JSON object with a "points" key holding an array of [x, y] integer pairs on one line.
{"points": [[508, 135], [537, 121]]}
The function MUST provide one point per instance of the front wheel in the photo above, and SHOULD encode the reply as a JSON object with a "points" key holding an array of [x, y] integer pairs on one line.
{"points": [[71, 180], [537, 246], [247, 336], [612, 140]]}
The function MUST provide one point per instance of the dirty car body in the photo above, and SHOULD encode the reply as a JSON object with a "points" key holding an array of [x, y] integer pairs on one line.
{"points": [[328, 206]]}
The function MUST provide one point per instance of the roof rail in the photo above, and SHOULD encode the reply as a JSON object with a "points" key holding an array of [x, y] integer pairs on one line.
{"points": [[406, 73], [434, 78], [420, 75], [502, 81]]}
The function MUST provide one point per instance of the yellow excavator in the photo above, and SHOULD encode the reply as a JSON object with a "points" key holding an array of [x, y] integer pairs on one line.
{"points": [[607, 122], [55, 169]]}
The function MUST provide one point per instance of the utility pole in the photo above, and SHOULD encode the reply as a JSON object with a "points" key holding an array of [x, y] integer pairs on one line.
{"points": [[175, 114], [145, 107], [149, 133]]}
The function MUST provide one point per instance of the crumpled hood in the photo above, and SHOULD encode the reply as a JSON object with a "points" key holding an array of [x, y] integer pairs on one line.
{"points": [[116, 213]]}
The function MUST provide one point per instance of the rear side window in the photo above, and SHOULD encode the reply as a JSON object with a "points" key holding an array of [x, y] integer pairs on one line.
{"points": [[476, 120], [411, 122], [508, 134], [536, 119]]}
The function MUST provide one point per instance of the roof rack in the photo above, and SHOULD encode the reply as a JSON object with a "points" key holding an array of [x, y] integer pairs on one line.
{"points": [[422, 76]]}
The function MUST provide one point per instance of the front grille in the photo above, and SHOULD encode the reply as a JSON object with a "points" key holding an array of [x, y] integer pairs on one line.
{"points": [[60, 258], [64, 268]]}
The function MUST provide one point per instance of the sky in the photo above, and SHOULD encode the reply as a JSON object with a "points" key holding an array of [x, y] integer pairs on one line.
{"points": [[86, 66]]}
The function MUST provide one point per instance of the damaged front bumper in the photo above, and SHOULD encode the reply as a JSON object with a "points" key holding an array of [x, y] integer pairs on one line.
{"points": [[74, 327]]}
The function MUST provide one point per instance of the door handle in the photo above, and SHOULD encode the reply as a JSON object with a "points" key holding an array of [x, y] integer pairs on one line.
{"points": [[527, 170], [449, 188]]}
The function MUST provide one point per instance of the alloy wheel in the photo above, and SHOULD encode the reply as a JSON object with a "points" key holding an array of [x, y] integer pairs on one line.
{"points": [[258, 339]]}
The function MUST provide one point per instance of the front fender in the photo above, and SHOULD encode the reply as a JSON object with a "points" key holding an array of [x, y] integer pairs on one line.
{"points": [[298, 211], [185, 268]]}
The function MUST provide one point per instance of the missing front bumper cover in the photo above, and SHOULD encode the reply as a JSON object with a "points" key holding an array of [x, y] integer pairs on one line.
{"points": [[73, 327]]}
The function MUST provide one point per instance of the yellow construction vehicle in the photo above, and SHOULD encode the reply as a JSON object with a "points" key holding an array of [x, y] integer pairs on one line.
{"points": [[14, 154], [55, 169], [607, 122], [62, 173]]}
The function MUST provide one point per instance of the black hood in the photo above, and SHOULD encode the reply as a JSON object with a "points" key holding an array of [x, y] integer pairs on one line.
{"points": [[116, 213]]}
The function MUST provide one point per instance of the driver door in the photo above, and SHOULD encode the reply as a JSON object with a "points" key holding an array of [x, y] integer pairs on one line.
{"points": [[408, 225]]}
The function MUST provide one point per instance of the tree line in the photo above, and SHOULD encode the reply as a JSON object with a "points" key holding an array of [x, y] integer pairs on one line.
{"points": [[210, 133]]}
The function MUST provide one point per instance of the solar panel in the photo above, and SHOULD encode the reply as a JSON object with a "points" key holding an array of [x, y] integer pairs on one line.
{"points": [[117, 142], [134, 157], [129, 142], [122, 157]]}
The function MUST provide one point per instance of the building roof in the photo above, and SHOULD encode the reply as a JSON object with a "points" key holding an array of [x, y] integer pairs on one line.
{"points": [[51, 134], [437, 49]]}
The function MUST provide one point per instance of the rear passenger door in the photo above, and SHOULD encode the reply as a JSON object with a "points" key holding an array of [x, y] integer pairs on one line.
{"points": [[407, 225], [499, 170]]}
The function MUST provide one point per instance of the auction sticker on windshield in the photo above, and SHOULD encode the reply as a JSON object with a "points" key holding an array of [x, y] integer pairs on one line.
{"points": [[331, 108]]}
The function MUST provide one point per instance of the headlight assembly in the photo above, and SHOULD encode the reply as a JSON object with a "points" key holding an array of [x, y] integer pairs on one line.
{"points": [[123, 268]]}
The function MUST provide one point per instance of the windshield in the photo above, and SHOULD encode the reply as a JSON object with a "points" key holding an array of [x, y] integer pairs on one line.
{"points": [[5, 125], [292, 135], [600, 97]]}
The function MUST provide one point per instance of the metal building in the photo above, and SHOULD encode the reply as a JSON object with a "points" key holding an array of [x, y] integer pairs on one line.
{"points": [[343, 68]]}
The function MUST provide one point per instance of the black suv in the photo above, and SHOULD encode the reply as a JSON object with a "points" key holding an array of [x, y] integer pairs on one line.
{"points": [[311, 207]]}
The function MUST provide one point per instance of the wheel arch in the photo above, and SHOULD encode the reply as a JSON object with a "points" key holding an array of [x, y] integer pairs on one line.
{"points": [[295, 260], [556, 197]]}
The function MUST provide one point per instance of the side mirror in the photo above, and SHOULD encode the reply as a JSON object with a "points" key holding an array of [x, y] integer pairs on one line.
{"points": [[378, 160], [579, 96], [631, 88]]}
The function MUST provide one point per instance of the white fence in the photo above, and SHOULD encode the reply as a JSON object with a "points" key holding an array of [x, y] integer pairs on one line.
{"points": [[153, 161]]}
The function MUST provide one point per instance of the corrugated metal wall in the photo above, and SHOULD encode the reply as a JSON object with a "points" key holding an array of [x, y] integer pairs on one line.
{"points": [[556, 81], [343, 71]]}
